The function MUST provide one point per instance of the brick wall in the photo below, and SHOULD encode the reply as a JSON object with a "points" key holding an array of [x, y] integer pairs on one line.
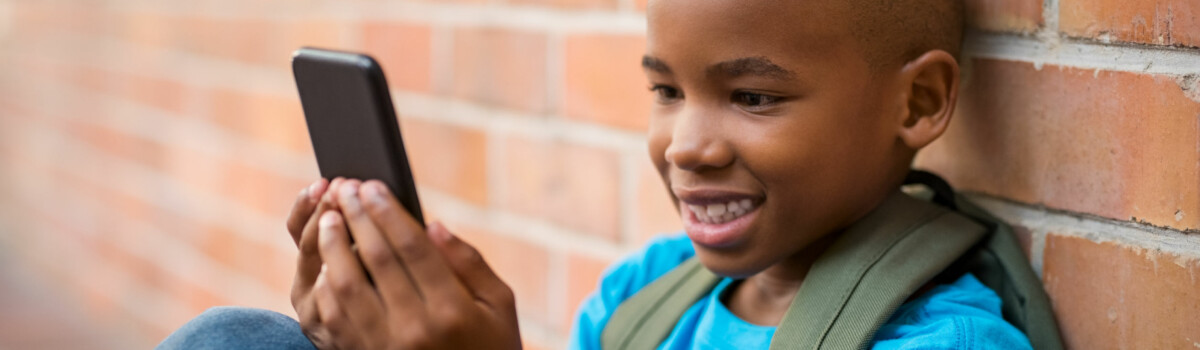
{"points": [[149, 150]]}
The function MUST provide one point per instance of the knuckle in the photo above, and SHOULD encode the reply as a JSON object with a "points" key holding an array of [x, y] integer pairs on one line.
{"points": [[308, 250], [344, 288], [410, 246], [470, 255], [504, 295], [297, 298], [451, 318], [375, 255], [417, 336], [327, 244]]}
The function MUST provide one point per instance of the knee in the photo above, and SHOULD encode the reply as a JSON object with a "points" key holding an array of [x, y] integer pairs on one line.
{"points": [[237, 327]]}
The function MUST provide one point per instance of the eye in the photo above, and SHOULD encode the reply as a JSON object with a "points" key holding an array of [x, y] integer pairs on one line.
{"points": [[754, 101], [666, 94]]}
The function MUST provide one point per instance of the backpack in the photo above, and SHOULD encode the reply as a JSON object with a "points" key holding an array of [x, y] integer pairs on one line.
{"points": [[866, 274]]}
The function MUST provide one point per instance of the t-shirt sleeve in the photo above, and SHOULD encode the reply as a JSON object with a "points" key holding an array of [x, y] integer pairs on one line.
{"points": [[620, 281], [961, 315]]}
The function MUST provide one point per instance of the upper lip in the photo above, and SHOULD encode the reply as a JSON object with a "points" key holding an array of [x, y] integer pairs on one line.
{"points": [[711, 195]]}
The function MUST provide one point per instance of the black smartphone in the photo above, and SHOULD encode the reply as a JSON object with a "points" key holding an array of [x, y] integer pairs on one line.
{"points": [[353, 127]]}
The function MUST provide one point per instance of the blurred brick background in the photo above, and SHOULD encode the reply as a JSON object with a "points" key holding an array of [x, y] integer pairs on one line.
{"points": [[149, 151]]}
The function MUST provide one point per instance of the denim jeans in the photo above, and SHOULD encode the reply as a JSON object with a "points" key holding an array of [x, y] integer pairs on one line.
{"points": [[238, 328]]}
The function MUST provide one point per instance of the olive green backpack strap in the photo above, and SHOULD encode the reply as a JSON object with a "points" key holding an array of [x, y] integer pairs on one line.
{"points": [[877, 264], [1000, 263], [647, 318]]}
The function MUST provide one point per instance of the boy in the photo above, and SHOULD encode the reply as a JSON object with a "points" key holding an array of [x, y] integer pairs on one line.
{"points": [[778, 125]]}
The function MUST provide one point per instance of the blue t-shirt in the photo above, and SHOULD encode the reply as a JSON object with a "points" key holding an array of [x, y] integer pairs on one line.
{"points": [[960, 315]]}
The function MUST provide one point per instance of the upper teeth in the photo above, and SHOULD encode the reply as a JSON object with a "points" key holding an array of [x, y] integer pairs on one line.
{"points": [[721, 213]]}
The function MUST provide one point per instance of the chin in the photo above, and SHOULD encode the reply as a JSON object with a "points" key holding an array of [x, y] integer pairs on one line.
{"points": [[736, 265]]}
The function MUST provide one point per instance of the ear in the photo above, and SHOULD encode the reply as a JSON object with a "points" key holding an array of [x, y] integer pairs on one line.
{"points": [[931, 82]]}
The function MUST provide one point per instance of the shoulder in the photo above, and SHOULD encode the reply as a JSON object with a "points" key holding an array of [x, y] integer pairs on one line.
{"points": [[960, 315], [624, 279]]}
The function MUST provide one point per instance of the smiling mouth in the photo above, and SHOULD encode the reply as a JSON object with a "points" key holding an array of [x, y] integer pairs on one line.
{"points": [[720, 213]]}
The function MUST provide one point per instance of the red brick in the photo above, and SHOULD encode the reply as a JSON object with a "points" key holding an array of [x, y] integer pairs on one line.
{"points": [[583, 276], [501, 67], [1114, 296], [155, 92], [49, 17], [325, 33], [272, 119], [1115, 144], [238, 39], [604, 81], [267, 192], [1163, 22], [654, 210], [91, 78], [569, 4], [404, 50], [1005, 15], [449, 158], [264, 191], [147, 29], [570, 185], [116, 143], [522, 265], [264, 262]]}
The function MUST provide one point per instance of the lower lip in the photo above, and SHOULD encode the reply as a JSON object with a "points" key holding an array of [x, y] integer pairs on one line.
{"points": [[721, 235]]}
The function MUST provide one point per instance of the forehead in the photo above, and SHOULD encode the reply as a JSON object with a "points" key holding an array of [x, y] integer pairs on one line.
{"points": [[790, 32]]}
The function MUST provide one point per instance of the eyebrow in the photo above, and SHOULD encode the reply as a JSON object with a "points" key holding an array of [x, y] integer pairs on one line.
{"points": [[760, 66], [655, 65]]}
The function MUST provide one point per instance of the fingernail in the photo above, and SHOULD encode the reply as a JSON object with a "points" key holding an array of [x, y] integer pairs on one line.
{"points": [[371, 190], [329, 219], [383, 190], [315, 188], [333, 185], [349, 194], [439, 232]]}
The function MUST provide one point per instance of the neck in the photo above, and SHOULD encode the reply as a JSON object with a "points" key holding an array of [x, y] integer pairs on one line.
{"points": [[763, 298]]}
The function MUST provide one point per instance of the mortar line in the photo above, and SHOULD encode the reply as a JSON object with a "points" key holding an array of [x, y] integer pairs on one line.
{"points": [[1095, 229], [136, 178], [1050, 17], [149, 124], [460, 15], [1084, 54], [184, 258], [409, 104]]}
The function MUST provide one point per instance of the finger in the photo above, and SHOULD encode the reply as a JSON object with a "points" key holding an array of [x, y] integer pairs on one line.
{"points": [[307, 314], [345, 275], [433, 278], [394, 284], [332, 317], [470, 267], [302, 210], [309, 260]]}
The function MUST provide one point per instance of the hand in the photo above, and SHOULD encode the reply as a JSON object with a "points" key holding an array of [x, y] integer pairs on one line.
{"points": [[431, 290], [302, 225]]}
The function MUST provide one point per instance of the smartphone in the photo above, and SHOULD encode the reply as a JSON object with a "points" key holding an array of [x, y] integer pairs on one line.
{"points": [[353, 127]]}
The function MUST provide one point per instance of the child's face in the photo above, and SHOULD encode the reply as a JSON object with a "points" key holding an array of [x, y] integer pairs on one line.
{"points": [[770, 104]]}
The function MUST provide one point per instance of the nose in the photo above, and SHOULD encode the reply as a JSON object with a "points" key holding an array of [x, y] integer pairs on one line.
{"points": [[697, 143]]}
